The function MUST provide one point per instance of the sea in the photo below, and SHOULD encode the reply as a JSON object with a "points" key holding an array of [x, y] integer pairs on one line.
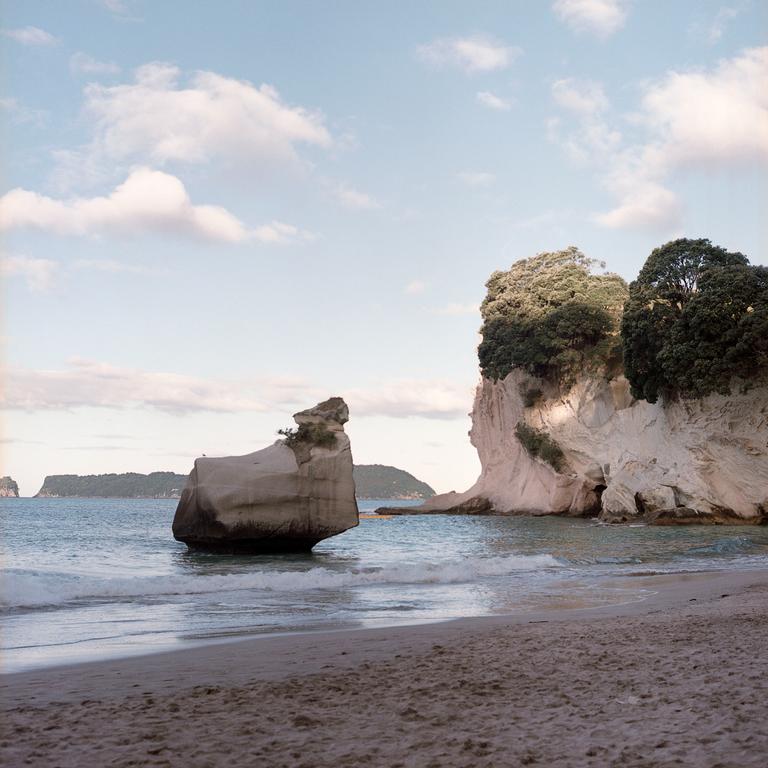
{"points": [[87, 579]]}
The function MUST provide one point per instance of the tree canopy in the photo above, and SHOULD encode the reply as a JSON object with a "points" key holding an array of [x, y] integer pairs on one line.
{"points": [[696, 317], [550, 315]]}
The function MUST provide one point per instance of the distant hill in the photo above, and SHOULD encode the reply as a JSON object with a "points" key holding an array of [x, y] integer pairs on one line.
{"points": [[372, 481], [376, 481], [129, 485], [8, 488]]}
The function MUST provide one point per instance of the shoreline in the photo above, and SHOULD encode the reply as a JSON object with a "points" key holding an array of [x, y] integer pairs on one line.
{"points": [[668, 590], [568, 608], [677, 679]]}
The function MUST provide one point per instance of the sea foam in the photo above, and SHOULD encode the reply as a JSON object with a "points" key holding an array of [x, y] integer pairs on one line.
{"points": [[34, 589]]}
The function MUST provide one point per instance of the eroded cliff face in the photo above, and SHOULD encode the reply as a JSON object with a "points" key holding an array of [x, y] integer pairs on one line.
{"points": [[703, 461]]}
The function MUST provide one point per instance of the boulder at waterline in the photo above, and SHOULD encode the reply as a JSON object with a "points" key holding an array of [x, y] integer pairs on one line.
{"points": [[284, 498]]}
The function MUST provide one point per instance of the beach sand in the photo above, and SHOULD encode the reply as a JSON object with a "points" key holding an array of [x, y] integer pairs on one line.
{"points": [[680, 679]]}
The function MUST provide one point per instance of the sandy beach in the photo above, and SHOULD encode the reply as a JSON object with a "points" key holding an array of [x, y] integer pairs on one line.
{"points": [[679, 679]]}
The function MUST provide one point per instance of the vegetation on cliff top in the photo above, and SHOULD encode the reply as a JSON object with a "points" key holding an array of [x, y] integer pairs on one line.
{"points": [[552, 316], [697, 316]]}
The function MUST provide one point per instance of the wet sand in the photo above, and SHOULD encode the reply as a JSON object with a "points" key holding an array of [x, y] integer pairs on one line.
{"points": [[680, 679]]}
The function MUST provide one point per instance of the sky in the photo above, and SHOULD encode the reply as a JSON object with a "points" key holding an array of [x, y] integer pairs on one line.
{"points": [[215, 214]]}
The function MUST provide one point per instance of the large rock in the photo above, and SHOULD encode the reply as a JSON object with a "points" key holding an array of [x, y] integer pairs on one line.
{"points": [[284, 498], [8, 488], [701, 461]]}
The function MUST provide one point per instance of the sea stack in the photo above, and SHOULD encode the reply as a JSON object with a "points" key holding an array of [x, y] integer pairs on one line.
{"points": [[284, 498], [8, 488]]}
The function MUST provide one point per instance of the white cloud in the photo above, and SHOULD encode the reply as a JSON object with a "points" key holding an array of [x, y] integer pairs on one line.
{"points": [[590, 136], [408, 397], [350, 197], [712, 30], [43, 275], [40, 274], [719, 116], [82, 63], [116, 6], [644, 205], [600, 17], [492, 101], [278, 233], [86, 383], [476, 178], [112, 266], [91, 384], [457, 309], [30, 36], [415, 287], [157, 118], [701, 120], [147, 201], [472, 54], [581, 96], [20, 114]]}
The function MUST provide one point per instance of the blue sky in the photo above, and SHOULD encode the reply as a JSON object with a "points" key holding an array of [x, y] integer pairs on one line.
{"points": [[215, 214]]}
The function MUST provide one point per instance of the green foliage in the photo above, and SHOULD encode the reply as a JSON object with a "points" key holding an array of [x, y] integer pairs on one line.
{"points": [[308, 434], [551, 316], [540, 445], [128, 485], [696, 317], [531, 395]]}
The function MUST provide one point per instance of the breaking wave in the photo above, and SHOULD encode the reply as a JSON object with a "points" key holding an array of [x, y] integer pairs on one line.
{"points": [[19, 589]]}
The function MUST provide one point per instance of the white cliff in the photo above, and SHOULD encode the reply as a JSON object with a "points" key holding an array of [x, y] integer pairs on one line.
{"points": [[687, 461]]}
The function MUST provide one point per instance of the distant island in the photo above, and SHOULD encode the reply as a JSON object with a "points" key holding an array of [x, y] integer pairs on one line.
{"points": [[377, 481], [8, 488], [372, 481], [127, 485]]}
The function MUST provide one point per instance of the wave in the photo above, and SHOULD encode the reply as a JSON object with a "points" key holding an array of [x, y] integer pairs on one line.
{"points": [[24, 589], [732, 545]]}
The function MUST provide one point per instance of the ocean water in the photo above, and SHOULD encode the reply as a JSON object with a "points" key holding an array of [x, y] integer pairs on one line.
{"points": [[86, 579]]}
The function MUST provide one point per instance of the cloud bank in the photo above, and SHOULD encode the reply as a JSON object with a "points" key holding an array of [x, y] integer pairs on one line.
{"points": [[160, 119], [148, 201], [698, 120], [91, 384], [30, 36]]}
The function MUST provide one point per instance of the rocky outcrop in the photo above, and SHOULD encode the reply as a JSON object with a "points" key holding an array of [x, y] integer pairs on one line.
{"points": [[284, 498], [8, 488], [701, 461]]}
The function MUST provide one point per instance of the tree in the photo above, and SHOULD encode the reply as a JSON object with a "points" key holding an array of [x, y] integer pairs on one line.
{"points": [[693, 321], [550, 315]]}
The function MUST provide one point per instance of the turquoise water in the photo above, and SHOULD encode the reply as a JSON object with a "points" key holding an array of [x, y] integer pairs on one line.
{"points": [[92, 578]]}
